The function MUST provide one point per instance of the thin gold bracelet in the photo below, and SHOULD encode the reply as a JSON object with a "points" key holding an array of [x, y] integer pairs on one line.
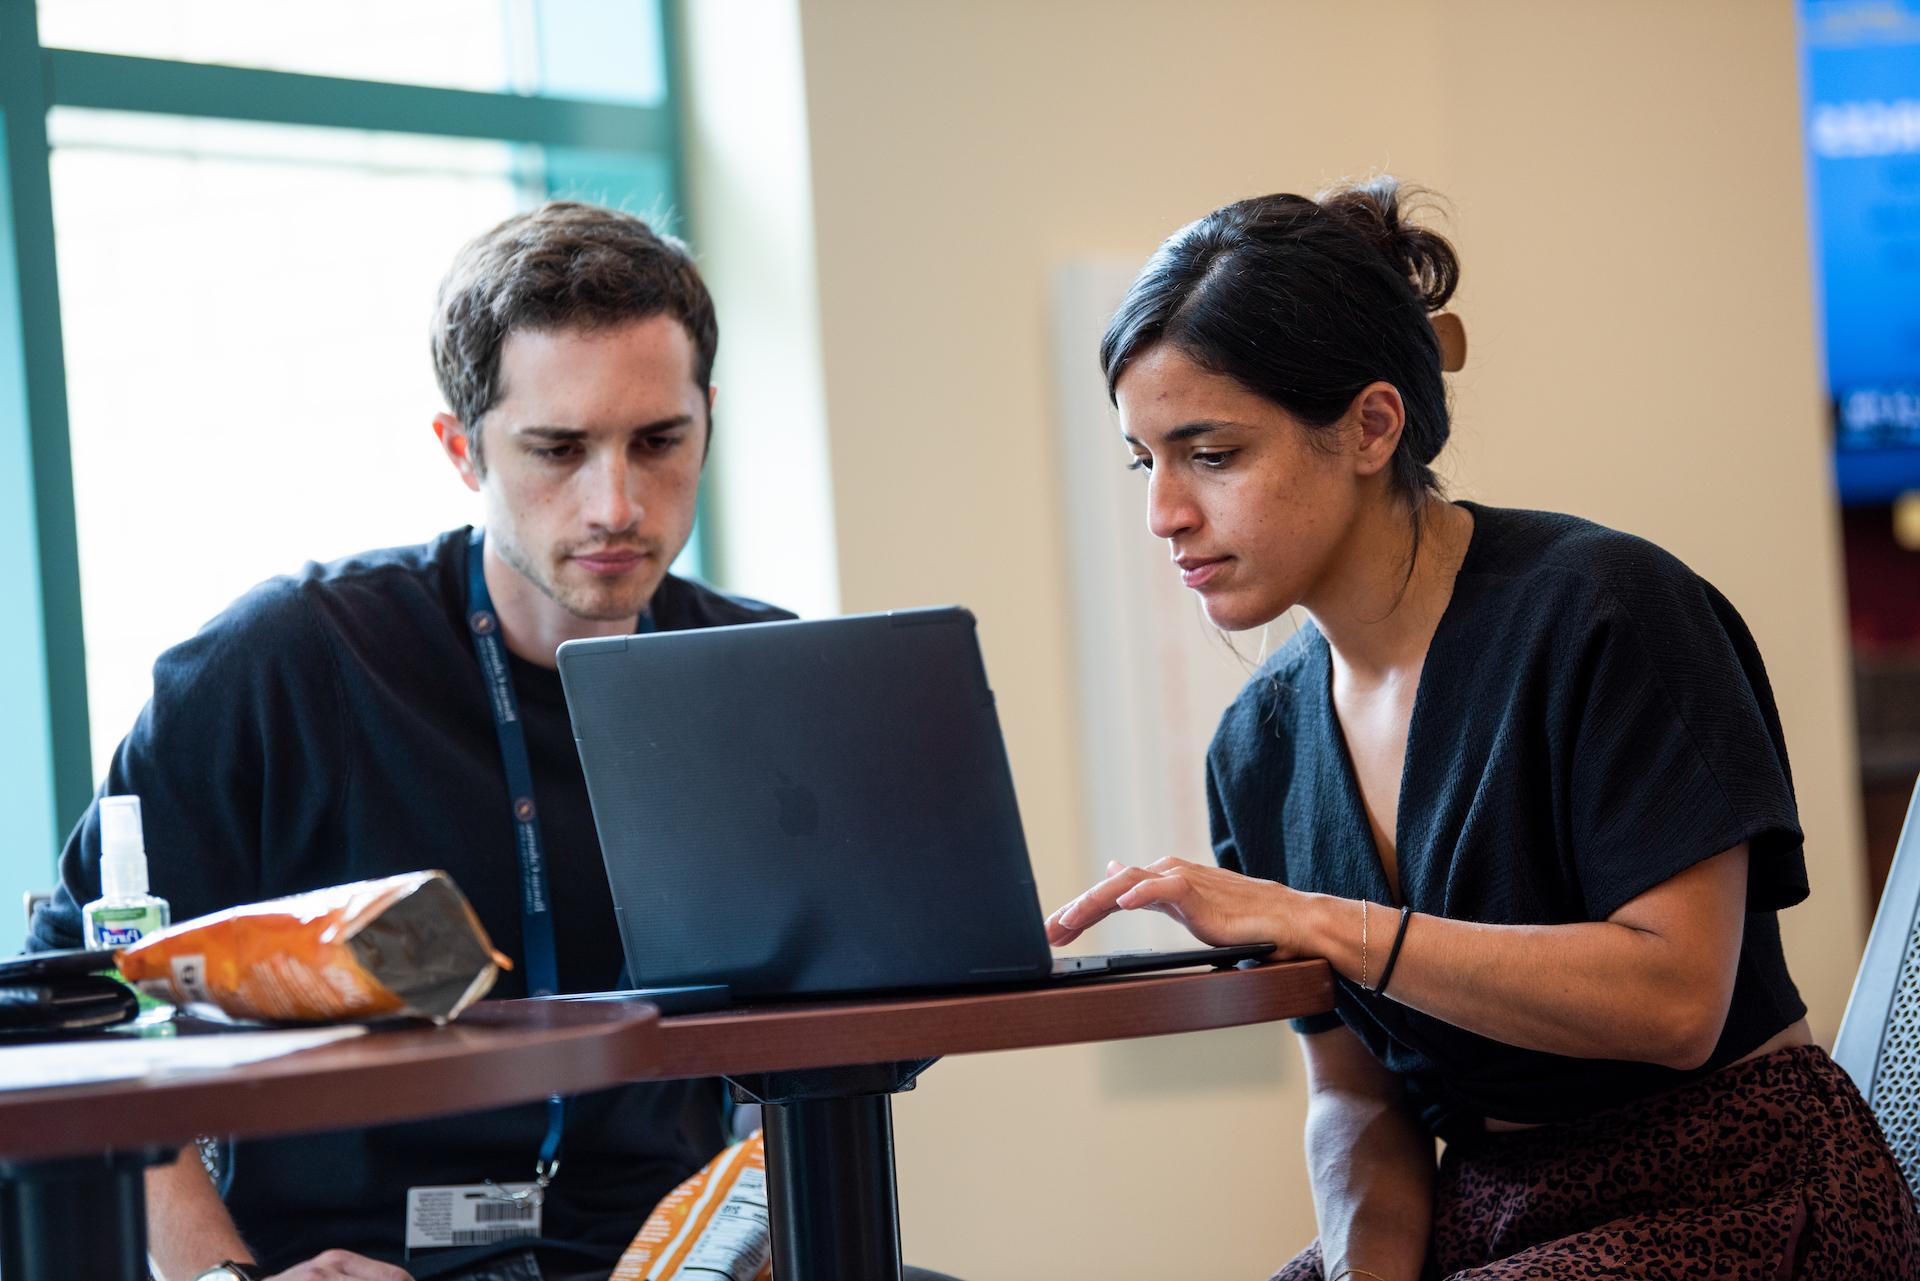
{"points": [[1363, 955]]}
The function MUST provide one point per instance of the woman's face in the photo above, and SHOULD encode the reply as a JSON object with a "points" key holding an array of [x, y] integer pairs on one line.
{"points": [[1252, 509]]}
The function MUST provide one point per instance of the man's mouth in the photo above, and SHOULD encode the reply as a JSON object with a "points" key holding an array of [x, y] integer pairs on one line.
{"points": [[610, 562]]}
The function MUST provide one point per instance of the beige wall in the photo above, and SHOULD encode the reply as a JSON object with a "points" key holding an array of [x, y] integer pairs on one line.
{"points": [[1627, 196], [751, 196]]}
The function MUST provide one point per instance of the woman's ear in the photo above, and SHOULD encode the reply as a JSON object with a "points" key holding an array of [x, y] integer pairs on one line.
{"points": [[1380, 415]]}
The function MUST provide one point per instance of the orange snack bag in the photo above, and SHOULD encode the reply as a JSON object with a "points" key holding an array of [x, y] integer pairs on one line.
{"points": [[401, 945], [713, 1225]]}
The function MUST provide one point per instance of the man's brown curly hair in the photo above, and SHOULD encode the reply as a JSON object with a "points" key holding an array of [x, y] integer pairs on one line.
{"points": [[564, 265]]}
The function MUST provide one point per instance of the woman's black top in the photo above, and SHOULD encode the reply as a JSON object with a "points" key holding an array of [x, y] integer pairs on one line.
{"points": [[1593, 718]]}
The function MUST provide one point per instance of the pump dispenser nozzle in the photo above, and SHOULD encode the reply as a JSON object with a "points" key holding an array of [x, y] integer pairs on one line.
{"points": [[123, 848]]}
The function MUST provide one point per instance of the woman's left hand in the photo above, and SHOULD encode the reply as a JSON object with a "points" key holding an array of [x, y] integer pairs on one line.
{"points": [[1217, 906]]}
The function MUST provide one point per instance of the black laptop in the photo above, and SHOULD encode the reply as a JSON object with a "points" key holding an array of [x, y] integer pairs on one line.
{"points": [[801, 808]]}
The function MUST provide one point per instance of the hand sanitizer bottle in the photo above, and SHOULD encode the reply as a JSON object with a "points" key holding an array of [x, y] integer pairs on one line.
{"points": [[124, 913]]}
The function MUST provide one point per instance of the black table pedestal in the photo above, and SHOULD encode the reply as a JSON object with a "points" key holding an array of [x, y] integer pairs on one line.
{"points": [[830, 1184], [76, 1217]]}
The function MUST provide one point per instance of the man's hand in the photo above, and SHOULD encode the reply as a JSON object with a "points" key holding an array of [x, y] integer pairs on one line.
{"points": [[1219, 907], [189, 1230], [341, 1265]]}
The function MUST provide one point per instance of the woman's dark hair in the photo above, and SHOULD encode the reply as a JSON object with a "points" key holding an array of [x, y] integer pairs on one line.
{"points": [[1305, 302]]}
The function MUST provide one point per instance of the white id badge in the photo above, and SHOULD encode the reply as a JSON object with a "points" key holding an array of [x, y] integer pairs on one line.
{"points": [[470, 1214]]}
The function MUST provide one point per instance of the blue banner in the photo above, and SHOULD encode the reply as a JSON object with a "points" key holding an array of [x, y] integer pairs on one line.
{"points": [[1862, 78]]}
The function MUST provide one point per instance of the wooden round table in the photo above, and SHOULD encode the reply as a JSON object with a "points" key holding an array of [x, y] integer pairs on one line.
{"points": [[825, 1071], [73, 1158]]}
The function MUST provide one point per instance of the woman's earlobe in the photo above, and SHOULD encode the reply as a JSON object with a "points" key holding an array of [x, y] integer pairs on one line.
{"points": [[1382, 418]]}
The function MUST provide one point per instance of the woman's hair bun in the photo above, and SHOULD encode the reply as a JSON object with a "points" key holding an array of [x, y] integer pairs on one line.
{"points": [[1376, 210], [1306, 301]]}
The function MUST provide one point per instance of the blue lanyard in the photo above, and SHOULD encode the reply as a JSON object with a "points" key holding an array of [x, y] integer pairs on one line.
{"points": [[543, 976], [536, 909]]}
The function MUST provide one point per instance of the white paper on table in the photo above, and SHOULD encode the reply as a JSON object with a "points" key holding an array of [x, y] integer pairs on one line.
{"points": [[27, 1067]]}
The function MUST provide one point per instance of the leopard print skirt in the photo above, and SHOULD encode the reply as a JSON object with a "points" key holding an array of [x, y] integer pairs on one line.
{"points": [[1767, 1170]]}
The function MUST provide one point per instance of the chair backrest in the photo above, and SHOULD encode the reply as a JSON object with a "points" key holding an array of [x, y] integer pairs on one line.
{"points": [[1879, 1041]]}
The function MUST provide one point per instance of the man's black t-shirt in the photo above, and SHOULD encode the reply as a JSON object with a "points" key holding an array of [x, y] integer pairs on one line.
{"points": [[333, 726], [1592, 719]]}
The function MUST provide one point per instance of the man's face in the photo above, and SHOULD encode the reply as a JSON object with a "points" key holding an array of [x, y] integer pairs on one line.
{"points": [[592, 461]]}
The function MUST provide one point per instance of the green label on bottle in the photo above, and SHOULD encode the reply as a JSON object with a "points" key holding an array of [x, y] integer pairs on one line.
{"points": [[122, 926]]}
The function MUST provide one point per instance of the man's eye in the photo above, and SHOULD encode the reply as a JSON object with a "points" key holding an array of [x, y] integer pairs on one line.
{"points": [[553, 453], [660, 444]]}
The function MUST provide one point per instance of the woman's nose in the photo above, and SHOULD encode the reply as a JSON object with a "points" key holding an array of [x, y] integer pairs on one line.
{"points": [[1170, 509]]}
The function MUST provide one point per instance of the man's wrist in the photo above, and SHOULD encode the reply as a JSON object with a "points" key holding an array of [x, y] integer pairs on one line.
{"points": [[232, 1270]]}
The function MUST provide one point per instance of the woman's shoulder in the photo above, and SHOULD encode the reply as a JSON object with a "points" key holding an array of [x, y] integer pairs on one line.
{"points": [[1575, 570], [1584, 604]]}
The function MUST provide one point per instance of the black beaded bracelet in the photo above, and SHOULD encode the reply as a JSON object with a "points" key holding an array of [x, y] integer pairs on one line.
{"points": [[1393, 954]]}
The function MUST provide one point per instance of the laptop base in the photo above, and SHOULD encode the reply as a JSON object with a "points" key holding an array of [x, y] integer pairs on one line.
{"points": [[699, 998], [1146, 961]]}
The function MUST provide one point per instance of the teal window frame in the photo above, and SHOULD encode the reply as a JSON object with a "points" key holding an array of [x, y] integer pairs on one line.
{"points": [[45, 759]]}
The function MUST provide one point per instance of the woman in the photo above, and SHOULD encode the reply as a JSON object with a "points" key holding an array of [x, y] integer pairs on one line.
{"points": [[1520, 780]]}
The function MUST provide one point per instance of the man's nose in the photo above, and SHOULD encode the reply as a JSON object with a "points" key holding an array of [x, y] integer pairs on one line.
{"points": [[615, 501]]}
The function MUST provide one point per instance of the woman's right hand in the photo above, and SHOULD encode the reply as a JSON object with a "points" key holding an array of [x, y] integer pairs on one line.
{"points": [[1218, 907]]}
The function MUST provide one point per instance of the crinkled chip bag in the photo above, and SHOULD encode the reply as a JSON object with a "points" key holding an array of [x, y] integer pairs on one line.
{"points": [[713, 1225], [401, 945]]}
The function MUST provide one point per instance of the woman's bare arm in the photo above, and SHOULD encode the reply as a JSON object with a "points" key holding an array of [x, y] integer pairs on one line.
{"points": [[1651, 983], [1371, 1164]]}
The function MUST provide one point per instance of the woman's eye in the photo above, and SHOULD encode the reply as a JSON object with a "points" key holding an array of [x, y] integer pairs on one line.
{"points": [[1140, 464], [1215, 461]]}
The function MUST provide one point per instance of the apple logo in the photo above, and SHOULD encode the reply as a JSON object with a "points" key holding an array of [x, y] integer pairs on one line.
{"points": [[799, 808]]}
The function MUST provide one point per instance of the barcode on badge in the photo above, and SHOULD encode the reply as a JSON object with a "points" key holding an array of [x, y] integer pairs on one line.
{"points": [[485, 1236], [496, 1211]]}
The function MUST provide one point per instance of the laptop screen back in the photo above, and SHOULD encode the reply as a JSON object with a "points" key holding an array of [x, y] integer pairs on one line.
{"points": [[806, 807]]}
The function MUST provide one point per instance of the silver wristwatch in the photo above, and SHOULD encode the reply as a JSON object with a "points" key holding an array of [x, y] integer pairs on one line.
{"points": [[229, 1271]]}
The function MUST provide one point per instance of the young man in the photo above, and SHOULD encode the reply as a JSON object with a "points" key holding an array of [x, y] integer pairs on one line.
{"points": [[335, 725]]}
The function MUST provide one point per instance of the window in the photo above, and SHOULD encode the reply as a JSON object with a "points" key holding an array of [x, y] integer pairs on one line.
{"points": [[603, 50], [232, 377], [247, 381]]}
